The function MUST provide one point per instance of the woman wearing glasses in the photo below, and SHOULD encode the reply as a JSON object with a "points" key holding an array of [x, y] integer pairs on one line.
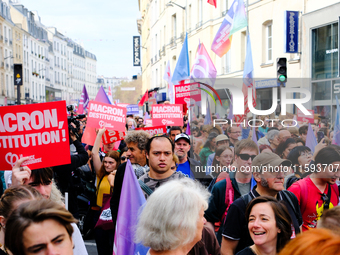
{"points": [[105, 175]]}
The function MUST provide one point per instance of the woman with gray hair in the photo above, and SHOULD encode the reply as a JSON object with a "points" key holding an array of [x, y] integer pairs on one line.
{"points": [[273, 139], [173, 217]]}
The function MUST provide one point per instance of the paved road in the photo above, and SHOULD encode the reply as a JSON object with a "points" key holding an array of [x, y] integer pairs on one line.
{"points": [[91, 247]]}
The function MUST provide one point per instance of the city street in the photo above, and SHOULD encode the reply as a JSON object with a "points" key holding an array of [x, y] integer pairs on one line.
{"points": [[91, 247]]}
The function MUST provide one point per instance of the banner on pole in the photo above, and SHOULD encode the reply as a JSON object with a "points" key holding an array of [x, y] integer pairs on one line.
{"points": [[167, 115], [106, 115]]}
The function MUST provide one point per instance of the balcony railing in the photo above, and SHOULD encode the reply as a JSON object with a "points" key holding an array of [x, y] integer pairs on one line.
{"points": [[10, 42], [173, 41], [199, 24], [6, 40], [156, 58]]}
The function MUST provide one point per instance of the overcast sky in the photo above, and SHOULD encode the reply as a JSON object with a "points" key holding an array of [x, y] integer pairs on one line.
{"points": [[104, 27]]}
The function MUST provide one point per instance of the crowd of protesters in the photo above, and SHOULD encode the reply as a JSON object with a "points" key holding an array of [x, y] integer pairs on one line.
{"points": [[210, 189]]}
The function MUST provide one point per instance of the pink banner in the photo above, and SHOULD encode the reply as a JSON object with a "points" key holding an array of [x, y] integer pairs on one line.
{"points": [[167, 115], [106, 115], [184, 93]]}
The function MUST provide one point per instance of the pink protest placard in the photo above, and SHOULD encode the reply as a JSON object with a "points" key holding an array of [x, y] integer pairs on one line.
{"points": [[111, 136], [305, 118], [184, 93], [106, 115], [37, 131], [167, 115], [154, 130]]}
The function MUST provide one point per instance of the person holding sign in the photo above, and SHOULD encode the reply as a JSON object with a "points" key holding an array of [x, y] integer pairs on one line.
{"points": [[105, 175]]}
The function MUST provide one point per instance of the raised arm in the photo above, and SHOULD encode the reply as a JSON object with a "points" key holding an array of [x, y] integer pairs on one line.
{"points": [[95, 151]]}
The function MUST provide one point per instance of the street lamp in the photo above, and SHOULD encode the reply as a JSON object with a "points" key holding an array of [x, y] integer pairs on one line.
{"points": [[171, 4]]}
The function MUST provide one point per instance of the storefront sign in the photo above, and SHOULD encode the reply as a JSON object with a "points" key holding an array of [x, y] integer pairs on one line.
{"points": [[106, 115], [136, 51], [291, 35], [269, 83], [167, 115], [36, 131]]}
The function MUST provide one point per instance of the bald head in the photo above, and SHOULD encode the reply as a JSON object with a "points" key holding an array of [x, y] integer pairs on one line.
{"points": [[284, 135]]}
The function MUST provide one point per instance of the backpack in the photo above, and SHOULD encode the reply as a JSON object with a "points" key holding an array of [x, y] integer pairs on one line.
{"points": [[304, 193], [229, 199], [145, 187]]}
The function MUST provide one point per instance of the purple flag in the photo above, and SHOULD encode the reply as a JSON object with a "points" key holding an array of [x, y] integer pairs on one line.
{"points": [[336, 134], [207, 119], [84, 101], [131, 199], [311, 139], [102, 96], [187, 131], [146, 117]]}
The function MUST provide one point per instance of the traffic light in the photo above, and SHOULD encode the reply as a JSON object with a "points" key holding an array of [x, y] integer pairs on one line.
{"points": [[17, 74], [281, 70]]}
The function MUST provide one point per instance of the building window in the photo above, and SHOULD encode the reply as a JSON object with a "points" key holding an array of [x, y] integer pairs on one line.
{"points": [[269, 43], [174, 26], [325, 52]]}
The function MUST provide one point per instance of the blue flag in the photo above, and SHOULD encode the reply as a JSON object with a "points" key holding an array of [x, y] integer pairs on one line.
{"points": [[182, 69], [311, 139]]}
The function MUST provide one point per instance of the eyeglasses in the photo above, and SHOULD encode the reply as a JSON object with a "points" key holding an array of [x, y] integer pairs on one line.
{"points": [[306, 154], [122, 158], [247, 156]]}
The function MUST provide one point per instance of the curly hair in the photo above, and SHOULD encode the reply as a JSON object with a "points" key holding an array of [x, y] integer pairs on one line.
{"points": [[139, 137]]}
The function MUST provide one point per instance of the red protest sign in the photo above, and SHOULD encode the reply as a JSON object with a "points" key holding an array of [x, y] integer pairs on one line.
{"points": [[37, 131], [305, 118], [187, 93], [154, 130], [167, 115], [106, 115], [111, 136]]}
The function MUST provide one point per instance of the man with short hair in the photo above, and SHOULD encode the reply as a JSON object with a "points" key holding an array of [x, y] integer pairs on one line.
{"points": [[188, 165], [136, 143], [225, 126], [233, 134], [240, 183], [268, 170], [140, 121], [159, 152], [175, 130]]}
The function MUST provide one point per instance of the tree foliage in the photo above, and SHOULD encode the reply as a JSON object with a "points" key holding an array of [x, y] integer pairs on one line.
{"points": [[128, 97]]}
